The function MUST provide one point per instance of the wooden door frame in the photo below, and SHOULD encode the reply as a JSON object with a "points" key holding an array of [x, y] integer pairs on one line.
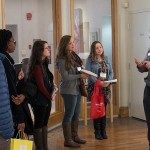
{"points": [[56, 117], [2, 15], [115, 49], [115, 54]]}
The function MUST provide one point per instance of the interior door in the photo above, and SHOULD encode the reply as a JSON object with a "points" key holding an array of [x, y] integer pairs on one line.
{"points": [[140, 42]]}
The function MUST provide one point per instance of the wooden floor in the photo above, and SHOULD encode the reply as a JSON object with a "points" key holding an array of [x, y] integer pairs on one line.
{"points": [[123, 134]]}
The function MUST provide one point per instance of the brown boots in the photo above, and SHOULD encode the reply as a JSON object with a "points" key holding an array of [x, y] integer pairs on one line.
{"points": [[44, 136], [74, 131], [70, 131], [68, 137]]}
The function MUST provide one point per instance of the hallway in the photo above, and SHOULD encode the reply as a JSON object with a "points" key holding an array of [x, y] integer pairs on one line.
{"points": [[123, 134]]}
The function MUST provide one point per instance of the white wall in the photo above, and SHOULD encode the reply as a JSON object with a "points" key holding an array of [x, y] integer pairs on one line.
{"points": [[16, 14], [65, 12], [135, 6], [45, 25], [39, 27], [96, 13], [139, 14], [139, 5]]}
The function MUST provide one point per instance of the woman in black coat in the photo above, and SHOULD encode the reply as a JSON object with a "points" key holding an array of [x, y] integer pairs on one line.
{"points": [[7, 46], [40, 74]]}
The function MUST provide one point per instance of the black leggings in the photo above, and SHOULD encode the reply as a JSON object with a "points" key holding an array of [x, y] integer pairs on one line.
{"points": [[41, 115], [99, 123]]}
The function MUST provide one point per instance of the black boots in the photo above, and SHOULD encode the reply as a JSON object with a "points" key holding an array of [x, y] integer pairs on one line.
{"points": [[103, 133], [68, 136], [44, 134], [74, 131], [103, 127], [99, 127], [98, 135], [40, 138]]}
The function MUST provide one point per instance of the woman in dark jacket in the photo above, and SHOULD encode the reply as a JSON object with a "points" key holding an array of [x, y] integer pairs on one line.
{"points": [[7, 46], [42, 77]]}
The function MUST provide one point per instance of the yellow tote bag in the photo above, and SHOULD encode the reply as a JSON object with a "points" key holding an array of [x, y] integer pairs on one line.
{"points": [[21, 144]]}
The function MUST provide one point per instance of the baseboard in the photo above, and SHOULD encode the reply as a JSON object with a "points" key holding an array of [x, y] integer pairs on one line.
{"points": [[124, 112], [53, 127]]}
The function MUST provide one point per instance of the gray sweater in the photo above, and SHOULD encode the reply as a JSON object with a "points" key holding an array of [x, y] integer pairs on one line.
{"points": [[69, 79]]}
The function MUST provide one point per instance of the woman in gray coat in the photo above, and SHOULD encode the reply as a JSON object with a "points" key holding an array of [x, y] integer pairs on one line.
{"points": [[69, 89]]}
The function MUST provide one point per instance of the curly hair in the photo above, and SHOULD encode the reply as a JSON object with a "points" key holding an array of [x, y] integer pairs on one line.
{"points": [[36, 56], [5, 36]]}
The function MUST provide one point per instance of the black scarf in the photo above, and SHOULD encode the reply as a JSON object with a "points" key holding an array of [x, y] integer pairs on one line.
{"points": [[77, 60]]}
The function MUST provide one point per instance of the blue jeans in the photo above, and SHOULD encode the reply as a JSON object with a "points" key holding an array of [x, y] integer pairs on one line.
{"points": [[72, 107]]}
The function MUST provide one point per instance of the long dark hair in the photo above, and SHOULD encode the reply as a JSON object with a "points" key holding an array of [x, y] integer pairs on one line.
{"points": [[63, 52], [36, 56], [5, 36], [93, 53]]}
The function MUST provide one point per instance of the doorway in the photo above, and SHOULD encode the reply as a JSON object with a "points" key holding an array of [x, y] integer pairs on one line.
{"points": [[85, 20], [140, 33]]}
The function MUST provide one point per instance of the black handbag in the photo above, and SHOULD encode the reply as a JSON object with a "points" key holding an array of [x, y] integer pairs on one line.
{"points": [[31, 88]]}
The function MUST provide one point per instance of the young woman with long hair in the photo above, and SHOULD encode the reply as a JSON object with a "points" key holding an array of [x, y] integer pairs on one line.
{"points": [[69, 89], [98, 63], [39, 72]]}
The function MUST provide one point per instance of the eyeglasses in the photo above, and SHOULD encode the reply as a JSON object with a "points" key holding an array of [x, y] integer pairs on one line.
{"points": [[49, 48], [13, 41]]}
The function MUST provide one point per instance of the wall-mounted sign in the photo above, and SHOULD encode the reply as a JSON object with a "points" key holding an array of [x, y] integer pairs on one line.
{"points": [[28, 16]]}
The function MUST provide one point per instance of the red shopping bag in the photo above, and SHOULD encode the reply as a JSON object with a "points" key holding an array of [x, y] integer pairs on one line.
{"points": [[97, 109]]}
